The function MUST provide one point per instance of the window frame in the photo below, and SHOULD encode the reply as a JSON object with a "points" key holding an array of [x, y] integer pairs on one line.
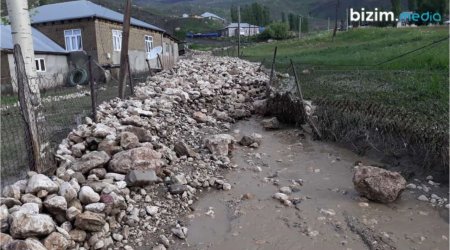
{"points": [[71, 40], [39, 62], [117, 39], [148, 41]]}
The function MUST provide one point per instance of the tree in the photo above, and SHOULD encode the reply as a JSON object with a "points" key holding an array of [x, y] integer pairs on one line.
{"points": [[396, 7], [283, 17], [412, 5], [305, 25], [276, 30], [234, 13]]}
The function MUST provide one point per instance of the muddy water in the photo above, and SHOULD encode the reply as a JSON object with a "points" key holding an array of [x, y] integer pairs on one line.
{"points": [[225, 220]]}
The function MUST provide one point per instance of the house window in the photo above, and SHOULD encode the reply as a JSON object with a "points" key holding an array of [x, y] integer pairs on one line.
{"points": [[40, 64], [148, 43], [73, 40], [117, 40], [167, 48]]}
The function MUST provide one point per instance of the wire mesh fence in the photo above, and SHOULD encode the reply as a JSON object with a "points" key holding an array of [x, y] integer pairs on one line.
{"points": [[62, 109], [398, 113]]}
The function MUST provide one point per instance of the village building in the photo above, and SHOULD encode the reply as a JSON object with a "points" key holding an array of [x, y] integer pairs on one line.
{"points": [[50, 58], [82, 28], [211, 16], [85, 26], [246, 29]]}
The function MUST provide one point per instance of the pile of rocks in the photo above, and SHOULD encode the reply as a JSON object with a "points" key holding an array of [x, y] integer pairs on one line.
{"points": [[126, 180]]}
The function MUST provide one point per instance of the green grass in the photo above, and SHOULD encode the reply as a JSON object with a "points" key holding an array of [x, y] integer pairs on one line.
{"points": [[361, 47]]}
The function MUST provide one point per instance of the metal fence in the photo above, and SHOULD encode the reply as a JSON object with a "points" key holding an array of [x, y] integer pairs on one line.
{"points": [[62, 109]]}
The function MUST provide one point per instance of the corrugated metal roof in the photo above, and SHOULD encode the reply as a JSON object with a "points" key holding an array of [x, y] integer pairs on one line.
{"points": [[80, 9], [41, 43]]}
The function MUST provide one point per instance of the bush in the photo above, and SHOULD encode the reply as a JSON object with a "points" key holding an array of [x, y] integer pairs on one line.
{"points": [[276, 31]]}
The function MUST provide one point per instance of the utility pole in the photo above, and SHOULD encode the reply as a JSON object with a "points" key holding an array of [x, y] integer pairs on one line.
{"points": [[124, 50], [21, 34], [336, 20], [239, 31], [346, 19], [300, 26], [328, 29]]}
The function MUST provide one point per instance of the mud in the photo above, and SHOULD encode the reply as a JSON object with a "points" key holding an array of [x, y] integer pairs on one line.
{"points": [[331, 214]]}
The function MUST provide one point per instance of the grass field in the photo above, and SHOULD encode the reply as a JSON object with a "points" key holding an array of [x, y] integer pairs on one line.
{"points": [[362, 47], [349, 68]]}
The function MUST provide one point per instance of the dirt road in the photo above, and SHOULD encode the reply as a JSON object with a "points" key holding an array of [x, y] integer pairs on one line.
{"points": [[331, 215]]}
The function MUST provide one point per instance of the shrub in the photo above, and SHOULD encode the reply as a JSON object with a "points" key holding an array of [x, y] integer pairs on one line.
{"points": [[276, 31]]}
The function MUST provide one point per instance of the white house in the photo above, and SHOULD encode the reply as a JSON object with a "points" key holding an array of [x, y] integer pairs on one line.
{"points": [[246, 30], [212, 16]]}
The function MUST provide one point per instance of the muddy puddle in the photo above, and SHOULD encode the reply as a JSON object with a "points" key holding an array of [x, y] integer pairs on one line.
{"points": [[247, 217]]}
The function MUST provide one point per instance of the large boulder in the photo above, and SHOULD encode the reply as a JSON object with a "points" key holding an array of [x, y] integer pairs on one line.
{"points": [[55, 204], [4, 214], [90, 161], [220, 144], [142, 158], [89, 221], [129, 140], [24, 225], [56, 241], [39, 182], [140, 178], [271, 123], [87, 195], [182, 149], [378, 184]]}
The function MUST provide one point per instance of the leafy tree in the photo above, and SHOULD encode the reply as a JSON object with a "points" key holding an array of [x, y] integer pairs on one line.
{"points": [[234, 13], [412, 5], [283, 17], [396, 7], [277, 30]]}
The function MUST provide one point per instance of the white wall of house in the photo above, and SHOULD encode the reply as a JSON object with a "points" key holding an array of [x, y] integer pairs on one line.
{"points": [[56, 71], [245, 31]]}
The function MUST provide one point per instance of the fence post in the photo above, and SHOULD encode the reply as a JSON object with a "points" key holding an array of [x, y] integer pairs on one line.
{"points": [[300, 93], [160, 62], [28, 105], [262, 63], [273, 65], [93, 92], [130, 78]]}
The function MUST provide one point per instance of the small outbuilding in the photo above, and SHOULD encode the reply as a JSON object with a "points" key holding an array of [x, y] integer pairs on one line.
{"points": [[51, 61], [246, 29]]}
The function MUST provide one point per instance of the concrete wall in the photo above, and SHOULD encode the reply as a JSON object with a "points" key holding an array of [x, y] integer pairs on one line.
{"points": [[246, 31], [57, 69]]}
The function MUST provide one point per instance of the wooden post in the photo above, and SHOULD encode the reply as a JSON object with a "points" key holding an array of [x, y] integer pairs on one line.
{"points": [[124, 50], [160, 62], [239, 30], [130, 78], [262, 63], [149, 68], [93, 92], [28, 105], [273, 65], [300, 93], [300, 27]]}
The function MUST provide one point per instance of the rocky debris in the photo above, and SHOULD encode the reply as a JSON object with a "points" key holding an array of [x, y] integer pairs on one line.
{"points": [[135, 172], [253, 140], [24, 225], [40, 182], [90, 161], [180, 232], [271, 123], [220, 144], [378, 184], [142, 158], [181, 149], [140, 178]]}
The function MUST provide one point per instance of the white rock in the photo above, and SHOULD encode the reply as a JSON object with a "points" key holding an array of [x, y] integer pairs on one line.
{"points": [[88, 195], [40, 182]]}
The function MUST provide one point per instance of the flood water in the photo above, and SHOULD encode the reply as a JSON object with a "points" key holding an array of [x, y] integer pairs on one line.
{"points": [[225, 220]]}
